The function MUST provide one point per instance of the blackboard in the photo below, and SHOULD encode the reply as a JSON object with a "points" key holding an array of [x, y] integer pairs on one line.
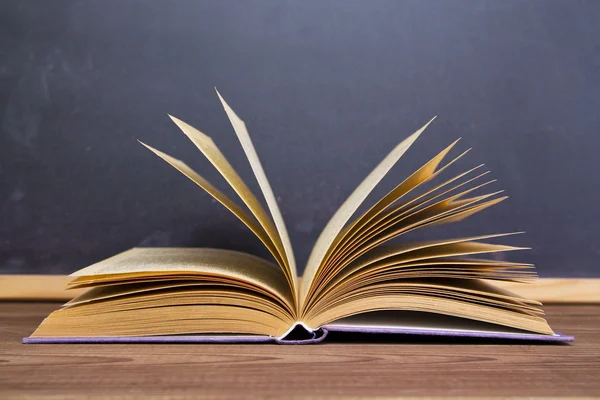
{"points": [[326, 89]]}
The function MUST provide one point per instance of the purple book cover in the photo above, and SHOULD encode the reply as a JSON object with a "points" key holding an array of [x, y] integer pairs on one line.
{"points": [[318, 336]]}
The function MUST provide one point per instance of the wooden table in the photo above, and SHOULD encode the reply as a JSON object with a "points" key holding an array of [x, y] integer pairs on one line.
{"points": [[331, 370]]}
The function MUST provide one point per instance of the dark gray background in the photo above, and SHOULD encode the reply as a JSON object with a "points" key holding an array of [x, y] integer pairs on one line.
{"points": [[326, 88]]}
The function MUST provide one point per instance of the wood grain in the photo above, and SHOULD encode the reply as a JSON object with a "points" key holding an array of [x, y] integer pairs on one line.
{"points": [[546, 290], [332, 370]]}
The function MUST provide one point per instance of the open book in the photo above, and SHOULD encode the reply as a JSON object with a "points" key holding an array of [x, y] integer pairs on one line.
{"points": [[357, 279]]}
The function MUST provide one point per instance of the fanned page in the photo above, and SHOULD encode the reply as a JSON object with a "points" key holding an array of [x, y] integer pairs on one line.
{"points": [[274, 236], [331, 232], [242, 215], [242, 133], [352, 271]]}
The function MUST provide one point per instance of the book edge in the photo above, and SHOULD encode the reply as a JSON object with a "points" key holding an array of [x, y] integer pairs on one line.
{"points": [[319, 336]]}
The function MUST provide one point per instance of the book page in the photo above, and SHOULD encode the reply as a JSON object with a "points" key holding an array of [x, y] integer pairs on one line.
{"points": [[103, 292], [115, 298], [350, 246], [422, 175], [407, 252], [214, 155], [392, 214], [441, 285], [432, 304], [401, 220], [340, 218], [201, 261], [444, 213], [414, 320], [250, 222], [242, 133], [173, 316], [385, 260]]}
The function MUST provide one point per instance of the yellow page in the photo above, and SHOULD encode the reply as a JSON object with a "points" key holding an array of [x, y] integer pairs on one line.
{"points": [[405, 220], [454, 213], [212, 262], [403, 253], [383, 219], [221, 198], [218, 160], [422, 175], [330, 233], [242, 133]]}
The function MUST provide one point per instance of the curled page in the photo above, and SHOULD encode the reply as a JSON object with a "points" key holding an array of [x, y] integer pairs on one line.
{"points": [[427, 172], [383, 219], [250, 222], [400, 222], [433, 249], [242, 133], [195, 265], [219, 196], [420, 176], [214, 155], [437, 216], [330, 233], [397, 255]]}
